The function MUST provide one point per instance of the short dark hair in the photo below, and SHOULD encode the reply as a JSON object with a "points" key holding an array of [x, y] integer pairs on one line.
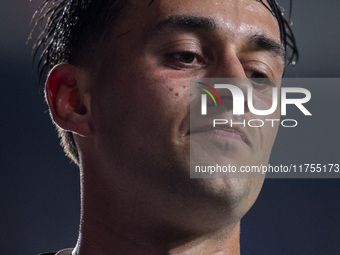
{"points": [[72, 27]]}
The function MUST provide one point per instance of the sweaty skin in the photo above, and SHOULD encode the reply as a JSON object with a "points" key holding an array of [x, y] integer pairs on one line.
{"points": [[137, 196]]}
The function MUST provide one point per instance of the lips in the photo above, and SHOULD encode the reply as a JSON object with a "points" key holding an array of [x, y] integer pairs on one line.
{"points": [[223, 132], [227, 133]]}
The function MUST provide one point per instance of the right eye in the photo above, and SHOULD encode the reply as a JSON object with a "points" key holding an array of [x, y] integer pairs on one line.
{"points": [[184, 60]]}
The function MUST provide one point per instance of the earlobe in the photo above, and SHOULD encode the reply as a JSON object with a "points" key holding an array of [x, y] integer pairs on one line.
{"points": [[67, 98]]}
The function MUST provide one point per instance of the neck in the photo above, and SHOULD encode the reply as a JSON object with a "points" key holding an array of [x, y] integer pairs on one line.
{"points": [[95, 238], [120, 219], [110, 230]]}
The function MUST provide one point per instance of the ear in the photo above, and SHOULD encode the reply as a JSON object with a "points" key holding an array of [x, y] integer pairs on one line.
{"points": [[68, 97]]}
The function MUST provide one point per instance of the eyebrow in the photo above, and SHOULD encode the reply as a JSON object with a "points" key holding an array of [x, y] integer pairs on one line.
{"points": [[263, 42], [256, 41], [185, 22]]}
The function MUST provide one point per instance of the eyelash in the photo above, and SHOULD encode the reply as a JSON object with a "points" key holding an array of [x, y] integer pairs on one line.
{"points": [[196, 61], [177, 60], [263, 80]]}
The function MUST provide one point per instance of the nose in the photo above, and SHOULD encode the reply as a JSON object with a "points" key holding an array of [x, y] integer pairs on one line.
{"points": [[228, 65], [229, 70]]}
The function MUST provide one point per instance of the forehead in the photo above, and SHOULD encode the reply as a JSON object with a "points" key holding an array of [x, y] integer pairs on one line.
{"points": [[236, 16]]}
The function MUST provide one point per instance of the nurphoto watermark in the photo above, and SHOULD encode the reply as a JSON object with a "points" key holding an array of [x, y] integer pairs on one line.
{"points": [[234, 123]]}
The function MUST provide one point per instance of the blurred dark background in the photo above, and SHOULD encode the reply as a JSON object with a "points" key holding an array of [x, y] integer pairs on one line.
{"points": [[39, 187]]}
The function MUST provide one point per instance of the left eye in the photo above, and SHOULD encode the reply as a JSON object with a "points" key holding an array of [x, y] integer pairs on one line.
{"points": [[260, 79]]}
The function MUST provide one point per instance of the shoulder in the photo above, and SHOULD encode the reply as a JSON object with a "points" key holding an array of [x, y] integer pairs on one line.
{"points": [[62, 252]]}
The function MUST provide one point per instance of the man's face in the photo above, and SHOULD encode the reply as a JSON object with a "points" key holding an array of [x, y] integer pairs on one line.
{"points": [[141, 94]]}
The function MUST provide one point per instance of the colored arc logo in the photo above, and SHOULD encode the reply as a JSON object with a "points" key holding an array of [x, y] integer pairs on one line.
{"points": [[209, 93]]}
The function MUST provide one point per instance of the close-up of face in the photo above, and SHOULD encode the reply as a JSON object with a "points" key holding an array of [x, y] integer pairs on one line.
{"points": [[170, 127], [173, 127], [140, 94]]}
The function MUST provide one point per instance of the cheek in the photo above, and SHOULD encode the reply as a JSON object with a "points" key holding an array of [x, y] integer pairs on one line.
{"points": [[267, 100], [143, 90], [270, 122], [162, 91], [146, 103]]}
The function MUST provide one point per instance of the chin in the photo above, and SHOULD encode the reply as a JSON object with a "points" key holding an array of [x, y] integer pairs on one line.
{"points": [[228, 198]]}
